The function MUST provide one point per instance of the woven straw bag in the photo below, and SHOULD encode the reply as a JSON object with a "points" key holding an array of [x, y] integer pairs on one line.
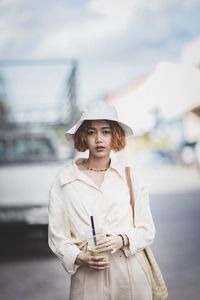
{"points": [[159, 289]]}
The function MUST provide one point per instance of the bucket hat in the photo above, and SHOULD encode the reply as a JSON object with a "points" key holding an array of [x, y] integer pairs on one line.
{"points": [[97, 111]]}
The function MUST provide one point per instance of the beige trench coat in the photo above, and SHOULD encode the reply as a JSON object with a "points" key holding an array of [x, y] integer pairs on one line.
{"points": [[73, 199]]}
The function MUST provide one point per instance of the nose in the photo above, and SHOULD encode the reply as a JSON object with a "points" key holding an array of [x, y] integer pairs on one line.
{"points": [[98, 137]]}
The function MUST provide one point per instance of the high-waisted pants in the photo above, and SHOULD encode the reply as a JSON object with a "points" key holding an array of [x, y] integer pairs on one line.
{"points": [[126, 279]]}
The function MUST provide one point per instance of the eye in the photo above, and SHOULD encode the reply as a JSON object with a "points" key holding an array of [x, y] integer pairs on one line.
{"points": [[106, 132], [90, 132]]}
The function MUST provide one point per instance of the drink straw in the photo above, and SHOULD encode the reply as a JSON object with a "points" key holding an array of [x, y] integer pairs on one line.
{"points": [[93, 230]]}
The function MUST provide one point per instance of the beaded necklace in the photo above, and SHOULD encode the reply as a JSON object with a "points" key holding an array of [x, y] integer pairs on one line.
{"points": [[93, 169]]}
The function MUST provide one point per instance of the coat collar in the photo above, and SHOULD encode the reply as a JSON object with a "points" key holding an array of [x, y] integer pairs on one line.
{"points": [[71, 172], [117, 166], [68, 173]]}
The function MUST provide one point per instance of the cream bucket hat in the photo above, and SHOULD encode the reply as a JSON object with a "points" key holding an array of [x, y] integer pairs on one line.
{"points": [[97, 111]]}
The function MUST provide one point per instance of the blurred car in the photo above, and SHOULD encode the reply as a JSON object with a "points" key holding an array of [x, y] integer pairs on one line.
{"points": [[28, 163]]}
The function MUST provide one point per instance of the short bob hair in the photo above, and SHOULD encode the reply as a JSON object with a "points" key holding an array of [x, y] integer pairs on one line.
{"points": [[118, 136]]}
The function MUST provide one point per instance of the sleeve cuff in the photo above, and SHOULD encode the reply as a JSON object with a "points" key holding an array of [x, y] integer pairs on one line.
{"points": [[69, 258], [132, 248], [137, 241]]}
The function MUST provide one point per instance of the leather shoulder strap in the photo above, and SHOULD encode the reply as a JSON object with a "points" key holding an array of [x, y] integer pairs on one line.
{"points": [[129, 182]]}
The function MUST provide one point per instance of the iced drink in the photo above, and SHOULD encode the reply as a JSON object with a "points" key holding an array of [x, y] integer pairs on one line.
{"points": [[91, 245]]}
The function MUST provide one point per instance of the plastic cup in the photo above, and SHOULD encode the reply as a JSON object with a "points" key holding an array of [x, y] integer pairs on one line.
{"points": [[92, 247]]}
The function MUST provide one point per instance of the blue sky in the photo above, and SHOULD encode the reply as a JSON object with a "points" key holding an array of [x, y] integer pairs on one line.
{"points": [[115, 41]]}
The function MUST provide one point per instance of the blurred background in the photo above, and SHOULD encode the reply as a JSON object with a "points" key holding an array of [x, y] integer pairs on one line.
{"points": [[143, 57]]}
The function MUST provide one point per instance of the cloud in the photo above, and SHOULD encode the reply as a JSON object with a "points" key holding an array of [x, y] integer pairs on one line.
{"points": [[93, 29], [65, 29], [113, 39], [5, 4], [87, 35]]}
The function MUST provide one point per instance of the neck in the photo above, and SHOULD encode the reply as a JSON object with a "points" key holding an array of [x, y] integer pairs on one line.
{"points": [[98, 163]]}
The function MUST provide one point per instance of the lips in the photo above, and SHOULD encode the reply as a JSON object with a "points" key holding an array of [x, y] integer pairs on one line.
{"points": [[100, 148]]}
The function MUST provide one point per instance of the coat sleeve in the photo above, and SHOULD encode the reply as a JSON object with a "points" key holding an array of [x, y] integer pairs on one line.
{"points": [[59, 235], [142, 233]]}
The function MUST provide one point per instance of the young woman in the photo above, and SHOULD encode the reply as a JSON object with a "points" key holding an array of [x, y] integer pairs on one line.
{"points": [[96, 186]]}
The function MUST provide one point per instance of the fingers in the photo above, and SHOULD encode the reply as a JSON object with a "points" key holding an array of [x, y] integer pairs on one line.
{"points": [[98, 263], [104, 242], [99, 268], [102, 245], [97, 258], [113, 251], [109, 244]]}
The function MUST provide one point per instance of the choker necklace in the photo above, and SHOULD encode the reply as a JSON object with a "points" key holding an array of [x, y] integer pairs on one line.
{"points": [[93, 169]]}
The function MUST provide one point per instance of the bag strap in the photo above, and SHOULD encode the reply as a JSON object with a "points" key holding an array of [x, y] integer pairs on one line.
{"points": [[129, 183]]}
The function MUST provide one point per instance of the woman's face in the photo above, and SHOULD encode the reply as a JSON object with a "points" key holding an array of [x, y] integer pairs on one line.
{"points": [[99, 138]]}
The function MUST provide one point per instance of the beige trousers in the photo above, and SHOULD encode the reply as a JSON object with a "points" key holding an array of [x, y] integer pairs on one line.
{"points": [[126, 279]]}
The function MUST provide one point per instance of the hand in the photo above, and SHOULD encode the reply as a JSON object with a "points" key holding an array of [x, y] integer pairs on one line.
{"points": [[111, 243], [92, 262]]}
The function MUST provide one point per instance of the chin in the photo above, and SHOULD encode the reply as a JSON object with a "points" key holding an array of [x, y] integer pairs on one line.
{"points": [[98, 154]]}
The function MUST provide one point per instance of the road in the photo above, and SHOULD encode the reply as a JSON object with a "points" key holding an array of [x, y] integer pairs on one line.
{"points": [[177, 243], [29, 271]]}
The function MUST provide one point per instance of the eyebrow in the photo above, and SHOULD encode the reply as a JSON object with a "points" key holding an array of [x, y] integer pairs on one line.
{"points": [[106, 127]]}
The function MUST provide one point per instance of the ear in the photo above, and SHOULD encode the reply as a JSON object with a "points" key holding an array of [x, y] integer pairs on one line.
{"points": [[84, 142]]}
